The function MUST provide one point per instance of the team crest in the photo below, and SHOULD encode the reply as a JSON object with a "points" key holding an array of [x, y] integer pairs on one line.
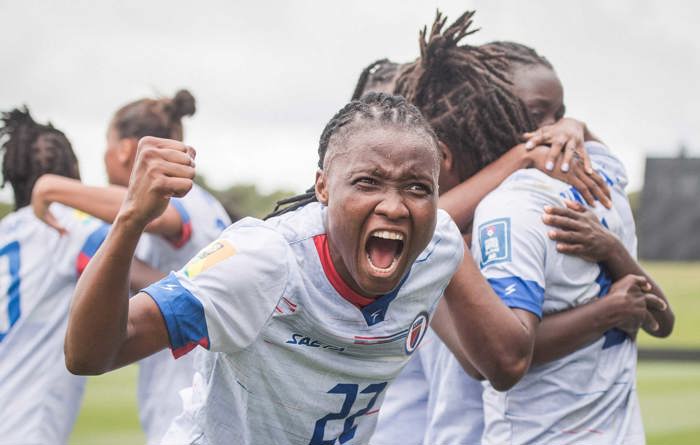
{"points": [[494, 240], [211, 255], [416, 332]]}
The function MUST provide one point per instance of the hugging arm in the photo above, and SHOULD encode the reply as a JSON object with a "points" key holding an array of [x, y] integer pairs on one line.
{"points": [[461, 201], [102, 202], [580, 233]]}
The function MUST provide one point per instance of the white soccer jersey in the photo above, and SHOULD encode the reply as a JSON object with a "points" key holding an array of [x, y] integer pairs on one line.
{"points": [[294, 359], [404, 415], [160, 377], [38, 271], [588, 396]]}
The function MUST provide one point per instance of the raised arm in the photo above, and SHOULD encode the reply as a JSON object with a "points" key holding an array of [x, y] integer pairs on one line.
{"points": [[102, 202], [106, 329], [142, 275], [497, 340]]}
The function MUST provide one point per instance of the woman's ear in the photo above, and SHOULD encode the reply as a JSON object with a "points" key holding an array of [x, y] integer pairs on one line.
{"points": [[126, 153], [321, 187], [446, 158]]}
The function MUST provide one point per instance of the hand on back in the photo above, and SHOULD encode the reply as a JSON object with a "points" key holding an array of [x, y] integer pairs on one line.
{"points": [[558, 151]]}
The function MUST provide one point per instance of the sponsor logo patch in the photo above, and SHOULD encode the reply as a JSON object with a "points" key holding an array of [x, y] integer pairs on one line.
{"points": [[494, 241], [416, 332], [208, 257]]}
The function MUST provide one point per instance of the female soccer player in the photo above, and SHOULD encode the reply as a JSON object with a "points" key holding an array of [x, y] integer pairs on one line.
{"points": [[404, 414], [38, 271], [311, 314], [184, 228], [556, 337]]}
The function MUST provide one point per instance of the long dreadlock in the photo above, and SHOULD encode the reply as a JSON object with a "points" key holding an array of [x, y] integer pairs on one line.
{"points": [[371, 108], [517, 53], [464, 92], [31, 150]]}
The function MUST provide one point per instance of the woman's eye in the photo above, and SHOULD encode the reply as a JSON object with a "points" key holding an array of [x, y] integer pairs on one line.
{"points": [[365, 180], [420, 188], [537, 116]]}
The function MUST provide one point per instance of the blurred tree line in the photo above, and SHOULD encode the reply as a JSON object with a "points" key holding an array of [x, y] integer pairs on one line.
{"points": [[241, 200]]}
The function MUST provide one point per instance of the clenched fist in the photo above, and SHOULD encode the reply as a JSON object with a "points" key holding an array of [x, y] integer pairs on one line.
{"points": [[163, 168]]}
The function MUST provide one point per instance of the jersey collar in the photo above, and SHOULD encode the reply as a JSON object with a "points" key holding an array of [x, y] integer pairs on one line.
{"points": [[373, 309]]}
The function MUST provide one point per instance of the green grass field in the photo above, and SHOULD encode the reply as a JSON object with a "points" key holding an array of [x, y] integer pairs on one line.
{"points": [[669, 392]]}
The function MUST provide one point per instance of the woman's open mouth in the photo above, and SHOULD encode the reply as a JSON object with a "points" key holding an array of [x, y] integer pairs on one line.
{"points": [[383, 250]]}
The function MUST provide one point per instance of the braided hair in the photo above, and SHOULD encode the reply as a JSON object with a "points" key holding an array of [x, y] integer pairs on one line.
{"points": [[465, 93], [31, 150], [518, 54], [154, 117], [377, 73], [371, 109]]}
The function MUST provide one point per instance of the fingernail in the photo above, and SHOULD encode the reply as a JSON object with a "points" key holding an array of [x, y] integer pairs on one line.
{"points": [[565, 167], [529, 145], [547, 208], [549, 166], [551, 234]]}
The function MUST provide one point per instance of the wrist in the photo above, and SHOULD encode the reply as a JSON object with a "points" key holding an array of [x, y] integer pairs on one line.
{"points": [[610, 313], [615, 252], [525, 158], [130, 221]]}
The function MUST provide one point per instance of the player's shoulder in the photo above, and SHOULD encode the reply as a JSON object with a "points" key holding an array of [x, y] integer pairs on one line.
{"points": [[446, 247], [523, 191], [607, 164], [301, 224]]}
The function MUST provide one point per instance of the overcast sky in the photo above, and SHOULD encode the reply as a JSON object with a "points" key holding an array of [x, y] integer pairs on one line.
{"points": [[267, 75]]}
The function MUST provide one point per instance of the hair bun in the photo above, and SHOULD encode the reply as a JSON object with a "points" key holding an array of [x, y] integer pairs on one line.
{"points": [[183, 104]]}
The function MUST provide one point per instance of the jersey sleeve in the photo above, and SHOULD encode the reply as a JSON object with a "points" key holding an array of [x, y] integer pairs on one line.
{"points": [[186, 231], [446, 250], [222, 298], [85, 236], [510, 247]]}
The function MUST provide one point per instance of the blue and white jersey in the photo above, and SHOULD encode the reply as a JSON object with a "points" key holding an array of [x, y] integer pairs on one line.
{"points": [[295, 358], [404, 417], [38, 272], [160, 377], [456, 414], [588, 396]]}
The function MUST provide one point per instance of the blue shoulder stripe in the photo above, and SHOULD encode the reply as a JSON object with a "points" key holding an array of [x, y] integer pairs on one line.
{"points": [[519, 293], [183, 314]]}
